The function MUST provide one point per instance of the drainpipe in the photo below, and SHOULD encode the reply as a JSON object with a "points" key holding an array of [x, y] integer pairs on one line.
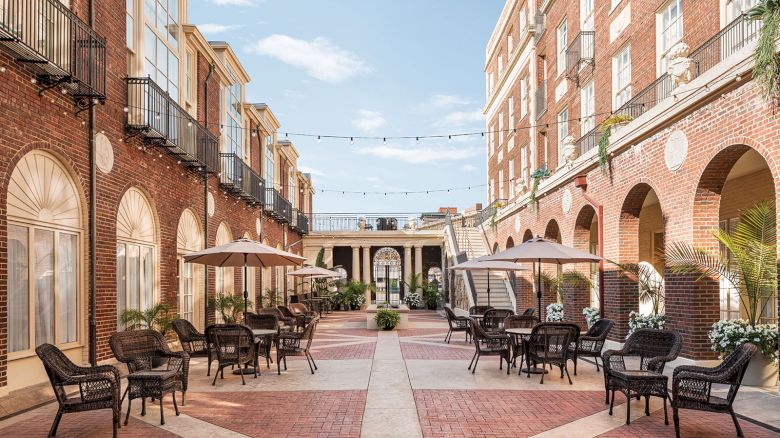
{"points": [[581, 181], [262, 207], [206, 201], [92, 222]]}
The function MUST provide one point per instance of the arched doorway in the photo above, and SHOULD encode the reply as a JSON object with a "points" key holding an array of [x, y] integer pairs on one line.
{"points": [[553, 231], [189, 238], [586, 238], [510, 243], [496, 248], [387, 274], [528, 235]]}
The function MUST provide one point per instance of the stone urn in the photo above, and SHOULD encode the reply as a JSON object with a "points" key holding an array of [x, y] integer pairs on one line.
{"points": [[760, 371]]}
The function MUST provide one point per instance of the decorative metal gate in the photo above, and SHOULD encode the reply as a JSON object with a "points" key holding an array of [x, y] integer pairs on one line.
{"points": [[387, 273]]}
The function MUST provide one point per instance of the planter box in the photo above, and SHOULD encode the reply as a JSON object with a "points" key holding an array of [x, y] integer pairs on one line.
{"points": [[371, 314], [760, 372]]}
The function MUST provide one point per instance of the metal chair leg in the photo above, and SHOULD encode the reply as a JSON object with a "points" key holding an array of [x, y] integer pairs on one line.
{"points": [[162, 415], [56, 424], [175, 406]]}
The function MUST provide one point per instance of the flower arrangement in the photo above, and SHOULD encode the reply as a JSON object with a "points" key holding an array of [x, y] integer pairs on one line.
{"points": [[592, 314], [357, 300], [638, 321], [413, 300], [726, 336], [554, 312]]}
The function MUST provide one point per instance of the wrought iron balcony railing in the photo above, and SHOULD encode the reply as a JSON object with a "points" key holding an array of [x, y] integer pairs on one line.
{"points": [[589, 141], [541, 99], [277, 207], [155, 115], [580, 59], [299, 221], [238, 178], [62, 49]]}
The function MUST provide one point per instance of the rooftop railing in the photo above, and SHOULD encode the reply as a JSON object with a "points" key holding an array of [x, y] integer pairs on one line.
{"points": [[62, 49], [379, 222], [238, 178], [153, 112]]}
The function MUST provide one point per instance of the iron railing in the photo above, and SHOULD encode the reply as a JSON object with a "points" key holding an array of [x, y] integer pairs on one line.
{"points": [[238, 178], [155, 114], [379, 222], [277, 207], [579, 54], [541, 99], [299, 221], [589, 141], [63, 49], [728, 41], [488, 212]]}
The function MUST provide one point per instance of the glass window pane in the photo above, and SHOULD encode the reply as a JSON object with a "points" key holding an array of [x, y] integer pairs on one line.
{"points": [[149, 10], [162, 58], [173, 69], [68, 279], [133, 275], [18, 289], [44, 287], [147, 277], [121, 284]]}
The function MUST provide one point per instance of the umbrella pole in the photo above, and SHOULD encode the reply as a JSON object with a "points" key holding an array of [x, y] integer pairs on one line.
{"points": [[246, 292], [539, 287]]}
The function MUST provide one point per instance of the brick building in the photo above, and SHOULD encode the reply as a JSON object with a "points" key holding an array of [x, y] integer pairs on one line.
{"points": [[126, 142], [701, 143]]}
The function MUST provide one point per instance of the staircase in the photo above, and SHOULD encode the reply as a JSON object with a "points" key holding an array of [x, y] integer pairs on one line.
{"points": [[471, 241]]}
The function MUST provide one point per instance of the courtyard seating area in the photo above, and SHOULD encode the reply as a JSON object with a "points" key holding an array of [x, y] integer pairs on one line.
{"points": [[410, 383]]}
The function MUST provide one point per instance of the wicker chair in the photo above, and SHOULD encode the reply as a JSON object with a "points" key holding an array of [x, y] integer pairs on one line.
{"points": [[301, 311], [192, 341], [529, 311], [493, 319], [290, 345], [263, 343], [519, 321], [490, 344], [591, 344], [234, 345], [654, 348], [138, 349], [479, 310], [549, 344], [283, 314], [456, 324], [691, 385], [99, 386]]}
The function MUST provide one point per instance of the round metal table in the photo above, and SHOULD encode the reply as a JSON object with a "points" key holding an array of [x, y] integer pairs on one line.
{"points": [[522, 332]]}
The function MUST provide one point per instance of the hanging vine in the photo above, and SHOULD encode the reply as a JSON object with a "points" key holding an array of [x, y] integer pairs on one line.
{"points": [[766, 70], [606, 131], [542, 172]]}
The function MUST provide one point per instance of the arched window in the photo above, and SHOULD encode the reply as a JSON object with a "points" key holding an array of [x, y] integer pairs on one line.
{"points": [[44, 254], [136, 254], [189, 238], [387, 273]]}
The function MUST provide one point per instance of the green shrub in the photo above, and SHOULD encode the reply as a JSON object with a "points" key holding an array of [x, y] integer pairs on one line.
{"points": [[387, 319]]}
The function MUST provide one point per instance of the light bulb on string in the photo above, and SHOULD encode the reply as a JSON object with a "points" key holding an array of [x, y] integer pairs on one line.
{"points": [[352, 141], [319, 139], [449, 139]]}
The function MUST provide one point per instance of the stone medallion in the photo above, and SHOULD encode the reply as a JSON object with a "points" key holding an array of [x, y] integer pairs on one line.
{"points": [[566, 201], [104, 153], [259, 227], [517, 223], [676, 150], [210, 204]]}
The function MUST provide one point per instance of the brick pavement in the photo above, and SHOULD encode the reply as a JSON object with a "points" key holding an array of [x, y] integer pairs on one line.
{"points": [[693, 424], [82, 425]]}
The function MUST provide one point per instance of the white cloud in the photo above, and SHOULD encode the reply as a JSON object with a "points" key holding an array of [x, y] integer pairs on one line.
{"points": [[372, 179], [439, 101], [469, 168], [311, 170], [420, 155], [214, 28], [368, 120], [459, 119], [234, 2], [320, 58]]}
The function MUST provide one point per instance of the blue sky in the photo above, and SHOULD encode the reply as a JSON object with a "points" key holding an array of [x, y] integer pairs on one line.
{"points": [[377, 68]]}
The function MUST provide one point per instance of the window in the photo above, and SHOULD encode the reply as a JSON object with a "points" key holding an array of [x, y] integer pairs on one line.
{"points": [[129, 23], [587, 108], [621, 77], [511, 176], [501, 184], [500, 154], [586, 12], [161, 62], [189, 79], [491, 194], [669, 25], [500, 129], [510, 103], [500, 66], [510, 144], [269, 164], [491, 141], [491, 82], [291, 186], [736, 7], [523, 20], [562, 41], [510, 45], [523, 97], [524, 164], [563, 132], [189, 238], [233, 124]]}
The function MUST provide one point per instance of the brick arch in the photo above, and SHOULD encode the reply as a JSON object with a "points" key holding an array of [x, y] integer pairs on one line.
{"points": [[553, 231], [528, 235], [510, 242], [496, 248], [582, 226]]}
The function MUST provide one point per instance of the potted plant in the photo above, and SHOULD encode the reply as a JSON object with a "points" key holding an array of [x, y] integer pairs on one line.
{"points": [[651, 292], [592, 314], [415, 283], [413, 300], [229, 306], [554, 312], [157, 317], [271, 298], [387, 319], [354, 294], [431, 295], [751, 270]]}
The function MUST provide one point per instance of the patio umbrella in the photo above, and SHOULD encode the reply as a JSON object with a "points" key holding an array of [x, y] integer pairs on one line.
{"points": [[244, 252], [483, 264], [311, 272], [540, 250]]}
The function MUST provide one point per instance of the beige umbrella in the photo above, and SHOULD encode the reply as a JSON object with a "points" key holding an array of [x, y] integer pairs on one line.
{"points": [[541, 251], [483, 264], [244, 252], [311, 272]]}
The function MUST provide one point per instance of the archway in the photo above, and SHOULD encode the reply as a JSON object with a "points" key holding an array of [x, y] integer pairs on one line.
{"points": [[387, 274], [553, 231], [189, 238], [528, 235], [510, 243], [586, 238], [496, 248]]}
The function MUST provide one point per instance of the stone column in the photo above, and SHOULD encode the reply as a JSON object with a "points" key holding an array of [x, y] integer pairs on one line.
{"points": [[356, 262], [328, 256], [418, 262], [366, 264], [407, 264]]}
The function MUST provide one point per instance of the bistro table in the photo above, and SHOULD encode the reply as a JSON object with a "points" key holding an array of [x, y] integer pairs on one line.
{"points": [[257, 333], [524, 332]]}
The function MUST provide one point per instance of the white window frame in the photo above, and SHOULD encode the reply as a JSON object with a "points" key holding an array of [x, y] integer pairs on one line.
{"points": [[510, 103], [669, 31], [587, 15], [500, 129], [563, 132], [500, 184], [164, 77], [562, 38], [524, 90], [524, 171], [587, 107], [510, 45], [511, 175], [621, 77], [491, 141], [130, 28]]}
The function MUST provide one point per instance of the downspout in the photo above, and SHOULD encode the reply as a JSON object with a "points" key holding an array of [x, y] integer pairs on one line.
{"points": [[259, 304], [92, 221], [206, 201], [582, 182]]}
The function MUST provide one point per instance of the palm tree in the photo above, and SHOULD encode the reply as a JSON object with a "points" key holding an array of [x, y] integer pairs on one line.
{"points": [[415, 283], [651, 285], [752, 266], [157, 317]]}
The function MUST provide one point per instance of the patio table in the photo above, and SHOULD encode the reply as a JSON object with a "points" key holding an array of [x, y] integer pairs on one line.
{"points": [[265, 333], [523, 332]]}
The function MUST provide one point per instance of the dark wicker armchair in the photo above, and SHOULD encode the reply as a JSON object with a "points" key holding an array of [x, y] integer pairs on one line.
{"points": [[263, 343], [493, 319], [296, 344], [591, 343], [456, 324], [283, 314], [234, 345], [691, 385], [490, 344], [99, 386], [139, 349], [529, 311], [300, 309], [549, 345], [192, 341], [519, 321], [479, 310]]}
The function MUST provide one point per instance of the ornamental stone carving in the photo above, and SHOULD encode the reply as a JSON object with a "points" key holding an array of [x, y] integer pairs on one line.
{"points": [[569, 150], [680, 66], [104, 153], [522, 185]]}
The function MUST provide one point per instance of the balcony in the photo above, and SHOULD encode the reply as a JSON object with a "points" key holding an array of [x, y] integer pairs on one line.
{"points": [[238, 178], [371, 223], [299, 221], [277, 207], [588, 141], [63, 50], [580, 57], [541, 99], [152, 113]]}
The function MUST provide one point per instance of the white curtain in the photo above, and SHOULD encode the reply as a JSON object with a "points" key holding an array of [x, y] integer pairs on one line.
{"points": [[147, 275], [121, 284], [68, 248], [133, 275], [44, 286], [18, 289]]}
